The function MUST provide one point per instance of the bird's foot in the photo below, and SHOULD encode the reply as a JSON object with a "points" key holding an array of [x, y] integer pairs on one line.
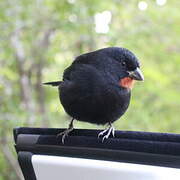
{"points": [[107, 132], [65, 133]]}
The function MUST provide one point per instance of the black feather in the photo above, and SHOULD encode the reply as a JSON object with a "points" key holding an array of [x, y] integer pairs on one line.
{"points": [[54, 83]]}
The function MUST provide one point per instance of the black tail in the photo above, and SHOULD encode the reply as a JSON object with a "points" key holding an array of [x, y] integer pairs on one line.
{"points": [[54, 83]]}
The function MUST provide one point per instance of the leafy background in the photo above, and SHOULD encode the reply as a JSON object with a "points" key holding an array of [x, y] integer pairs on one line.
{"points": [[39, 39]]}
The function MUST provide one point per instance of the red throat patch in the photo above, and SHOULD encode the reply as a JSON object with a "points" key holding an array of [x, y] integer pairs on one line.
{"points": [[127, 82]]}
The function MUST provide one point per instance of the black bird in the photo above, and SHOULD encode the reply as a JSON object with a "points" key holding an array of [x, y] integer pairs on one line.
{"points": [[96, 87]]}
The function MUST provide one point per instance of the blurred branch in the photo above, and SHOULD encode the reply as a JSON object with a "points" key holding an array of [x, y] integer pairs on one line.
{"points": [[25, 86], [44, 42], [12, 161], [40, 55], [9, 157]]}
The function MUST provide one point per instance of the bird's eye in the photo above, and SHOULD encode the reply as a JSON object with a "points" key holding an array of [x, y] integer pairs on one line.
{"points": [[123, 63]]}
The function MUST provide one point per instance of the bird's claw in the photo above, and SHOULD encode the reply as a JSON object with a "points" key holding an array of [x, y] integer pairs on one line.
{"points": [[64, 134], [110, 130], [105, 137], [113, 132], [102, 132]]}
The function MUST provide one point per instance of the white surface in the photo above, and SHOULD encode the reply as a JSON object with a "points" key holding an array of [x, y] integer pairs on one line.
{"points": [[65, 168]]}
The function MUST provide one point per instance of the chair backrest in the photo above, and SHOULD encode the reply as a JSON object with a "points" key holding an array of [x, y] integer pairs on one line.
{"points": [[130, 155]]}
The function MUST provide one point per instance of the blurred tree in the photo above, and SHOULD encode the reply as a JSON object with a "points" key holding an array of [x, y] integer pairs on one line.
{"points": [[40, 38]]}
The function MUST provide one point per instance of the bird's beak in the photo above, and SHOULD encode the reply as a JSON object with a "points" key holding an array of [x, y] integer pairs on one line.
{"points": [[136, 75]]}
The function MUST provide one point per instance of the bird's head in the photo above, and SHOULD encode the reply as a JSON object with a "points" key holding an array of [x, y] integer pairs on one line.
{"points": [[127, 66]]}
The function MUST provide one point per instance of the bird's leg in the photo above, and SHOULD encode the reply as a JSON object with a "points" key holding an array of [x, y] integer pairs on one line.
{"points": [[67, 131], [107, 132]]}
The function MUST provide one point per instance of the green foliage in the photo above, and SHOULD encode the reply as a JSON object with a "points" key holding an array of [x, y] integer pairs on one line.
{"points": [[153, 35]]}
